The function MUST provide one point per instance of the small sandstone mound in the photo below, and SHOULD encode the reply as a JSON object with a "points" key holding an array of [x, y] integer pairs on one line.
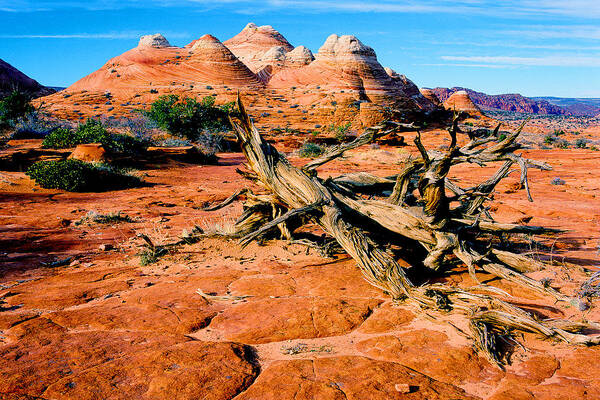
{"points": [[90, 152], [345, 48], [157, 40], [460, 101], [274, 54], [431, 96], [299, 56]]}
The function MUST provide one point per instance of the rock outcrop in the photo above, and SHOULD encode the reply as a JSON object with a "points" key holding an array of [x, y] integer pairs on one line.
{"points": [[299, 57], [460, 101], [89, 152], [11, 79], [253, 43], [157, 40], [345, 65], [343, 83], [206, 62], [431, 96]]}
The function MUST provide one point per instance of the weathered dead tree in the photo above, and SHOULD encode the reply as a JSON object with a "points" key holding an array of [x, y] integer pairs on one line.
{"points": [[413, 213]]}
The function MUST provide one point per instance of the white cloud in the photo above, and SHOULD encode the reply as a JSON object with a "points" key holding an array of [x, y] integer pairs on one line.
{"points": [[107, 35], [547, 61], [503, 8], [469, 65]]}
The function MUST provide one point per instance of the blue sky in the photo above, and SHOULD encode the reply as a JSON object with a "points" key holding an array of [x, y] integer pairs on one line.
{"points": [[533, 47]]}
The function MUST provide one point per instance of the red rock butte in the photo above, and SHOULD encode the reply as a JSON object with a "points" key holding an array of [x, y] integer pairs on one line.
{"points": [[343, 82]]}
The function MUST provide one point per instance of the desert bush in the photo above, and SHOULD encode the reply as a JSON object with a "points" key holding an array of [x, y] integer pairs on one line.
{"points": [[139, 126], [13, 107], [93, 131], [189, 118], [174, 142], [310, 150], [550, 139], [98, 218], [340, 131], [34, 126], [581, 143], [78, 176], [561, 144], [210, 143], [557, 181]]}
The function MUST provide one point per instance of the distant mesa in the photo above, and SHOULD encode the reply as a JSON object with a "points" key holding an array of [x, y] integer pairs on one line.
{"points": [[13, 79], [460, 101], [503, 102], [157, 40]]}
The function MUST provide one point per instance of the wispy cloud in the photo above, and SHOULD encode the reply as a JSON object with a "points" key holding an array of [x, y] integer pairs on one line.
{"points": [[107, 35], [547, 61], [505, 8], [468, 65], [574, 31]]}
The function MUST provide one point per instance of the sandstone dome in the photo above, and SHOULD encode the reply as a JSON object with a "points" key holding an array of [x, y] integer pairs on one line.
{"points": [[460, 101], [253, 42], [299, 56], [157, 40], [274, 54]]}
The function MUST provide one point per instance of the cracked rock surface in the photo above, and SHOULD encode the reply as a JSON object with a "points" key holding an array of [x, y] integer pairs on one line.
{"points": [[101, 326]]}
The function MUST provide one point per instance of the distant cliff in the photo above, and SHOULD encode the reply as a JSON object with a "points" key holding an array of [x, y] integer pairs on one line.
{"points": [[505, 102], [13, 79]]}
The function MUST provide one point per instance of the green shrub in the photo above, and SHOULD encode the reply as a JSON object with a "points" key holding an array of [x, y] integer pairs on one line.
{"points": [[189, 118], [340, 131], [14, 107], [78, 176], [549, 139], [310, 150], [93, 131], [561, 144], [581, 143]]}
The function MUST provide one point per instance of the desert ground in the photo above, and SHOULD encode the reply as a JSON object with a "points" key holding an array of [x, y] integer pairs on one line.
{"points": [[81, 318]]}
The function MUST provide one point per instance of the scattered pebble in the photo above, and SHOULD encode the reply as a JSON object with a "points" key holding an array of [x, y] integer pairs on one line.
{"points": [[403, 388]]}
